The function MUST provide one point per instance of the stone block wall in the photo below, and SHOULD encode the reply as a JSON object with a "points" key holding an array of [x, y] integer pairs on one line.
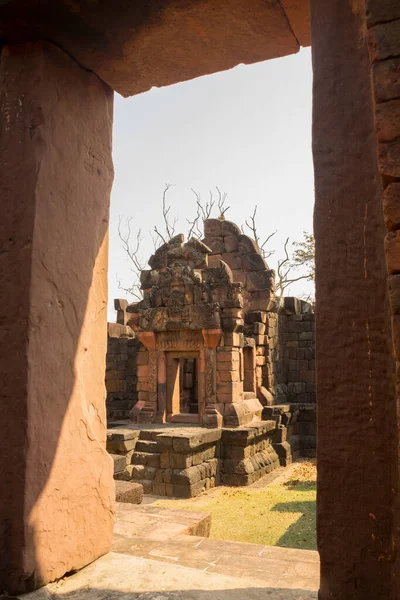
{"points": [[296, 379], [121, 371], [183, 462], [295, 434], [248, 454]]}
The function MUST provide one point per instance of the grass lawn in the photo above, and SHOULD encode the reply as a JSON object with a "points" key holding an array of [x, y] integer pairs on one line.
{"points": [[280, 514]]}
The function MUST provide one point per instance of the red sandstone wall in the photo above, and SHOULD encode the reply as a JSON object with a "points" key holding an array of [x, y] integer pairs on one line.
{"points": [[356, 405]]}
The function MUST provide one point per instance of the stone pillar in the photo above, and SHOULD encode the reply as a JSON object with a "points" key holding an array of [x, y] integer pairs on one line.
{"points": [[383, 22], [357, 473], [56, 485]]}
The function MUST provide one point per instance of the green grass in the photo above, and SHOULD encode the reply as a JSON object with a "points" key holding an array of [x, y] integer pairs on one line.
{"points": [[276, 515]]}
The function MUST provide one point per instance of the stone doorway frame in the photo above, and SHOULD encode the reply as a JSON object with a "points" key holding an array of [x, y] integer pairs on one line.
{"points": [[172, 359]]}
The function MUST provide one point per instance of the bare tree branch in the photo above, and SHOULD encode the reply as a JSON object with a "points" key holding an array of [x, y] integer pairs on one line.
{"points": [[285, 266], [221, 203], [252, 225], [133, 255]]}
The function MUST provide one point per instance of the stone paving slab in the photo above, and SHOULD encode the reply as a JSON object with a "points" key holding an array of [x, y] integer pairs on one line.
{"points": [[160, 534], [123, 577]]}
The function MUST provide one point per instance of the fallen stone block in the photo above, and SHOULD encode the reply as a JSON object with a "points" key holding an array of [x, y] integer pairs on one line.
{"points": [[128, 492]]}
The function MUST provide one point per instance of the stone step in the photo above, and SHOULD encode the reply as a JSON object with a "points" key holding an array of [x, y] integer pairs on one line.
{"points": [[119, 463], [149, 435], [150, 459], [128, 492], [147, 446]]}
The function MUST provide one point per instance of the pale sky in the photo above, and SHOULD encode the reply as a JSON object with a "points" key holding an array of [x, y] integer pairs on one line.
{"points": [[247, 131]]}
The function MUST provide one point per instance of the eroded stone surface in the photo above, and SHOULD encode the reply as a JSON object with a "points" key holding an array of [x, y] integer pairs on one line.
{"points": [[355, 365], [135, 46], [57, 490]]}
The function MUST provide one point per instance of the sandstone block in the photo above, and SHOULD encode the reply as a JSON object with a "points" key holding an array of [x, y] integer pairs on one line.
{"points": [[164, 459], [247, 245], [255, 329], [115, 385], [142, 358], [143, 371], [159, 488], [392, 251], [265, 396], [394, 293], [391, 206], [382, 11], [230, 229], [234, 339], [231, 243], [214, 260], [198, 458], [386, 76], [387, 120], [223, 376], [119, 463], [216, 244], [229, 387], [188, 491], [131, 493], [260, 280], [254, 262], [186, 476], [396, 335], [212, 228], [240, 276], [384, 40], [256, 317]]}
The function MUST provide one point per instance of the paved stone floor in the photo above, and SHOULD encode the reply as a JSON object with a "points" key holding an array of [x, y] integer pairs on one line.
{"points": [[163, 554]]}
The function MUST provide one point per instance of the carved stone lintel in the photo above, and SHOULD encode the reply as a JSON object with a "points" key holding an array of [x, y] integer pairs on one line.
{"points": [[148, 339], [182, 340], [211, 337]]}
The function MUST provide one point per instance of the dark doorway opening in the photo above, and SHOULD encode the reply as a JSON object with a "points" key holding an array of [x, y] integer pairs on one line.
{"points": [[182, 387], [188, 396]]}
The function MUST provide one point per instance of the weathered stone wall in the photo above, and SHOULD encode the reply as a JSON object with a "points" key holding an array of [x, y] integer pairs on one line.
{"points": [[297, 339], [357, 421], [121, 371], [183, 462], [383, 24]]}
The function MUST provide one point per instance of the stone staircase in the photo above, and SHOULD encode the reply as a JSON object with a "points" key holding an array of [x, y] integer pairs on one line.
{"points": [[145, 467]]}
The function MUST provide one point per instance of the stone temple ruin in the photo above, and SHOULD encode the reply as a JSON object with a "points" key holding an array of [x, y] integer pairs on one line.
{"points": [[210, 346], [60, 64]]}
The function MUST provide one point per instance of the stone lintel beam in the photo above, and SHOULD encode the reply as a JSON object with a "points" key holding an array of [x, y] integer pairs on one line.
{"points": [[135, 46], [148, 339], [211, 337], [298, 13]]}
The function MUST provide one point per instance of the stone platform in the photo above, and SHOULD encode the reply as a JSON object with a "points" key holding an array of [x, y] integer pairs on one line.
{"points": [[184, 461], [154, 558]]}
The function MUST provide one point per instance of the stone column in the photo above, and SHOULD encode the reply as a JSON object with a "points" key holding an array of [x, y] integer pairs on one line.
{"points": [[357, 455], [383, 22], [56, 486]]}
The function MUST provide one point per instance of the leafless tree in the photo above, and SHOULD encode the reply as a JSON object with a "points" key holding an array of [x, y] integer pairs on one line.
{"points": [[221, 204], [251, 224], [132, 251], [169, 226]]}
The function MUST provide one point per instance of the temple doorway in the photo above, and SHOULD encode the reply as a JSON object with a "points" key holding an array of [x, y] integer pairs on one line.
{"points": [[182, 387]]}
